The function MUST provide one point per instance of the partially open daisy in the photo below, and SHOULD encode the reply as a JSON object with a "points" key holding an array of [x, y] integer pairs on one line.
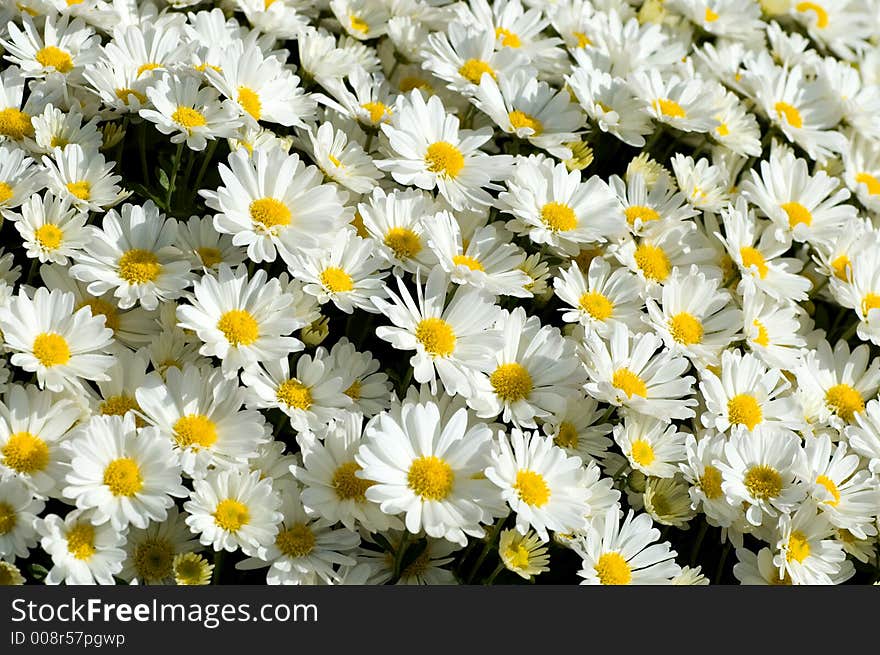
{"points": [[652, 446], [84, 177], [52, 340], [428, 470], [20, 179], [128, 476], [806, 553], [52, 230], [526, 555], [82, 553], [363, 382], [152, 551]]}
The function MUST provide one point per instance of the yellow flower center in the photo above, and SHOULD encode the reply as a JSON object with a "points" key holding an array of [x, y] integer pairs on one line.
{"points": [[869, 181], [15, 124], [790, 113], [520, 119], [710, 16], [470, 262], [722, 129], [81, 541], [404, 243], [797, 214], [845, 401], [641, 213], [612, 569], [596, 305], [138, 266], [436, 337], [124, 92], [841, 267], [517, 556], [430, 478], [582, 39], [472, 70], [231, 515], [120, 406], [869, 302], [347, 485], [710, 482], [686, 329], [511, 382], [296, 541], [101, 308], [354, 391], [629, 383], [6, 193], [763, 482], [123, 476], [269, 213], [294, 393], [191, 569], [763, 337], [336, 280], [753, 257], [49, 236], [531, 487], [669, 108], [743, 409], [51, 349], [653, 262], [195, 431], [239, 327], [334, 160], [188, 118], [444, 159], [149, 66], [642, 453], [210, 256], [358, 24], [81, 190], [817, 9], [250, 102], [508, 38], [411, 82], [8, 518], [54, 57], [558, 217], [154, 559], [829, 484], [567, 436], [377, 111], [798, 547]]}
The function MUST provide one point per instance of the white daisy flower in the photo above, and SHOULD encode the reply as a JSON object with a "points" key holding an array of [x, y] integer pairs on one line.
{"points": [[575, 430], [681, 103], [55, 128], [428, 470], [151, 551], [806, 554], [342, 158], [654, 447], [232, 508], [367, 386], [51, 229], [84, 177], [82, 553], [20, 179], [64, 47], [702, 473], [204, 247], [772, 330], [19, 509], [650, 209]]}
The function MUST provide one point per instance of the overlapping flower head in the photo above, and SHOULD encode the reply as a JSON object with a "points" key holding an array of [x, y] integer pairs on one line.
{"points": [[432, 292]]}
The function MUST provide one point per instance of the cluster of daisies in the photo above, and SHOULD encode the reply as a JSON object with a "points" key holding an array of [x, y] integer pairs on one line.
{"points": [[436, 292]]}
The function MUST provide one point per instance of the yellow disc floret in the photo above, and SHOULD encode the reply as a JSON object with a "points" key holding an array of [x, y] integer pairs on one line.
{"points": [[511, 382], [239, 327], [430, 478], [532, 488], [436, 337], [123, 477]]}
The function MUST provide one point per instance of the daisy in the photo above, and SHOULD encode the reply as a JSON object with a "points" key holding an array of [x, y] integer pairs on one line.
{"points": [[273, 200], [48, 338], [16, 123], [650, 209], [200, 413], [839, 381], [772, 330], [428, 470], [654, 258], [429, 568], [862, 171], [535, 371], [805, 553], [332, 488], [152, 551], [652, 446], [629, 371], [133, 254], [51, 229], [82, 553], [342, 158], [191, 569], [84, 178], [704, 184], [64, 47], [844, 27], [347, 274], [547, 489], [395, 222], [362, 19], [434, 153], [859, 289], [574, 429], [702, 473], [19, 510], [127, 476], [755, 248], [601, 299], [522, 105], [361, 96], [526, 555], [452, 340], [733, 19], [367, 386], [555, 207], [20, 179], [10, 574], [666, 500], [864, 436], [752, 569], [746, 395], [232, 509], [678, 102], [843, 490], [204, 247], [617, 553], [808, 208], [190, 114], [240, 320], [311, 398], [304, 547], [489, 261], [57, 129], [759, 470]]}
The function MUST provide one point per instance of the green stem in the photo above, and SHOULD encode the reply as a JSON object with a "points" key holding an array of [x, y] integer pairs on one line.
{"points": [[398, 557], [172, 179], [190, 161], [142, 147], [491, 578], [206, 161], [218, 564], [704, 527], [721, 563], [487, 547], [117, 155]]}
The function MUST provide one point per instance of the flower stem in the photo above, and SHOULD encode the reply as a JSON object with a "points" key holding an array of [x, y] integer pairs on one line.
{"points": [[491, 578], [490, 542], [172, 179]]}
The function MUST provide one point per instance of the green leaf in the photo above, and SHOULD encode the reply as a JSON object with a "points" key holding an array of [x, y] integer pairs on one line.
{"points": [[38, 571], [163, 179]]}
